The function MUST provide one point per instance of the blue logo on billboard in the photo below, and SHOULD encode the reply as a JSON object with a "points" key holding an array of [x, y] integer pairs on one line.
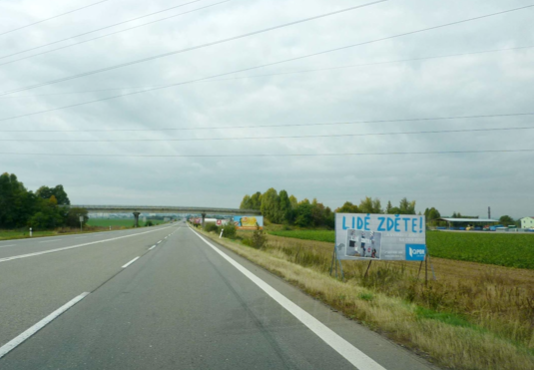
{"points": [[415, 252]]}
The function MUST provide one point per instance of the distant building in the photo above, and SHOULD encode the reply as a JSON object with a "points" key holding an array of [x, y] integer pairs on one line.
{"points": [[526, 223]]}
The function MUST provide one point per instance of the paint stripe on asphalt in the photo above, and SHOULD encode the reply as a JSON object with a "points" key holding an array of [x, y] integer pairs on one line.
{"points": [[352, 354], [9, 245], [41, 324], [159, 242], [48, 241], [151, 248], [131, 262], [71, 247]]}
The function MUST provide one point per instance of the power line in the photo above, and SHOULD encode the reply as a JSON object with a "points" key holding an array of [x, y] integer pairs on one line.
{"points": [[243, 69], [143, 60], [310, 124], [284, 73], [250, 155], [106, 35], [488, 129], [55, 16], [192, 48]]}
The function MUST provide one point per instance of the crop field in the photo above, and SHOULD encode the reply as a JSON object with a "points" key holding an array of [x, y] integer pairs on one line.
{"points": [[117, 222], [511, 250]]}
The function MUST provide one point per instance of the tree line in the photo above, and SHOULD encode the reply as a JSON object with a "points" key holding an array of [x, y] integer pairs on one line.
{"points": [[281, 208], [47, 208]]}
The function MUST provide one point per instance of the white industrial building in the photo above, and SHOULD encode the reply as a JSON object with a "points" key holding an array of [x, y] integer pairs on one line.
{"points": [[526, 223]]}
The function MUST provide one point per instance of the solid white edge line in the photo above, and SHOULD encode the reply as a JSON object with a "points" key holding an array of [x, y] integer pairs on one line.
{"points": [[72, 246], [48, 241], [352, 354], [151, 248], [41, 324], [129, 263]]}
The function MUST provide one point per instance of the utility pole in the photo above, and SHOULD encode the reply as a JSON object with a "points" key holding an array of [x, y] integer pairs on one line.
{"points": [[489, 212]]}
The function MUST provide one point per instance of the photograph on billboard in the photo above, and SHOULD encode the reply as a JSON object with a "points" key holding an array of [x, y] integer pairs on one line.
{"points": [[363, 236], [249, 222]]}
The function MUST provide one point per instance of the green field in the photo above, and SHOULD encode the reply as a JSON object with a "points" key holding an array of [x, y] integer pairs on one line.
{"points": [[497, 249], [118, 222]]}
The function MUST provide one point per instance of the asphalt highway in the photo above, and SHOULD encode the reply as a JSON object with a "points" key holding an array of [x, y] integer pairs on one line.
{"points": [[166, 298]]}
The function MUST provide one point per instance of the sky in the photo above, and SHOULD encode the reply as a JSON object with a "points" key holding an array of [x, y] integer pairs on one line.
{"points": [[482, 67]]}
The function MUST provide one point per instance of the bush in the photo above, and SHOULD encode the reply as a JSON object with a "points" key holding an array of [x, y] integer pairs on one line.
{"points": [[229, 230], [211, 227], [259, 239], [149, 223]]}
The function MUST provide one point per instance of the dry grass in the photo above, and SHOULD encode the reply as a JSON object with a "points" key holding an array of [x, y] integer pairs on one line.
{"points": [[474, 317]]}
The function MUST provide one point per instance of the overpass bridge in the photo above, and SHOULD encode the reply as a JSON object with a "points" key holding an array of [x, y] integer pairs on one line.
{"points": [[137, 210]]}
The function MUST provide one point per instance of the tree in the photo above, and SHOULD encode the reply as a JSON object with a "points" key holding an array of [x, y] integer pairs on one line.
{"points": [[246, 203], [17, 204], [406, 207], [285, 207], [256, 201], [329, 218], [270, 205], [369, 205], [507, 220], [303, 213], [293, 201], [389, 208], [49, 214], [348, 207], [44, 192], [432, 216], [317, 213], [74, 214]]}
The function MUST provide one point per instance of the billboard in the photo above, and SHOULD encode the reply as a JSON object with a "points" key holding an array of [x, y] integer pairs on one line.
{"points": [[366, 236], [249, 222]]}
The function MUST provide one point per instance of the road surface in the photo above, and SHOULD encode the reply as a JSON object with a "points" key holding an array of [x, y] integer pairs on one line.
{"points": [[165, 298]]}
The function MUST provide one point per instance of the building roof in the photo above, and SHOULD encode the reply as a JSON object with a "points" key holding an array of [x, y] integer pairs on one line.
{"points": [[484, 220]]}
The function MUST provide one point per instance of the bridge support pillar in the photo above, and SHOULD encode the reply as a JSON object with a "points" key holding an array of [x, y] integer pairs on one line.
{"points": [[136, 219], [203, 216]]}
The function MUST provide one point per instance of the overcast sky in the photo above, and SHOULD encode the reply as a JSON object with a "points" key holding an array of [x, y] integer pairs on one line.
{"points": [[493, 83]]}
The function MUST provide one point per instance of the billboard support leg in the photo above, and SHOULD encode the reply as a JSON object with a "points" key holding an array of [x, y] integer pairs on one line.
{"points": [[425, 270], [368, 268], [332, 261], [432, 269], [420, 269], [335, 264]]}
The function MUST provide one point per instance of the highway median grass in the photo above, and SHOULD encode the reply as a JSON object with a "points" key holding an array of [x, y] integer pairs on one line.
{"points": [[473, 317]]}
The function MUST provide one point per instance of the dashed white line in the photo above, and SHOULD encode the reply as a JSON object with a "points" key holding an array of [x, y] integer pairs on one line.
{"points": [[80, 237], [151, 248], [9, 245], [159, 242], [71, 247], [41, 324], [131, 262]]}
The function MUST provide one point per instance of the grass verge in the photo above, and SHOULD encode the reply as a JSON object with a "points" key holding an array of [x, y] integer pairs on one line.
{"points": [[422, 322]]}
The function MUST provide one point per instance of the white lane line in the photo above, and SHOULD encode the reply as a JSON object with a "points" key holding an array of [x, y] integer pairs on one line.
{"points": [[80, 237], [48, 241], [9, 245], [71, 247], [129, 263], [151, 248], [352, 354], [41, 324], [159, 242]]}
